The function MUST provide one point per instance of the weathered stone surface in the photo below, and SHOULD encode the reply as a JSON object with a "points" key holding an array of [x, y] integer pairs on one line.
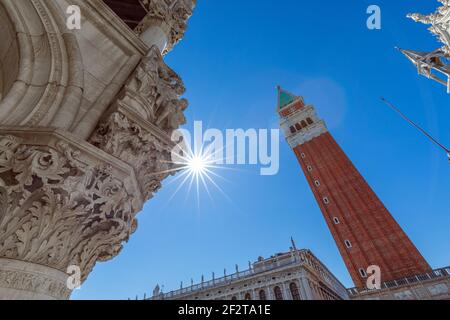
{"points": [[83, 113], [138, 127], [169, 16], [62, 203]]}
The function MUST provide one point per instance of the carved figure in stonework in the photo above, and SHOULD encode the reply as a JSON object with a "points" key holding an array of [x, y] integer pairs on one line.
{"points": [[434, 17], [156, 291], [141, 93], [446, 3], [146, 76], [170, 83], [156, 8], [129, 142], [153, 88], [425, 19], [180, 14], [172, 116]]}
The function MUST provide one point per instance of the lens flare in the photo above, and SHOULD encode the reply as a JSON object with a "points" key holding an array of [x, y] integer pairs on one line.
{"points": [[197, 169], [197, 165]]}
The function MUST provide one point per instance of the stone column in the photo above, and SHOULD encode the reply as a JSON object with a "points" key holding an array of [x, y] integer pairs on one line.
{"points": [[165, 23], [306, 289], [270, 294], [70, 192], [62, 203]]}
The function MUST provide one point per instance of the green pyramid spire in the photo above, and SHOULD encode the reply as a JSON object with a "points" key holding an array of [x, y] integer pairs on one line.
{"points": [[285, 98]]}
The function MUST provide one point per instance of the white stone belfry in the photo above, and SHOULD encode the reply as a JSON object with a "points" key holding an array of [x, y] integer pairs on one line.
{"points": [[86, 118]]}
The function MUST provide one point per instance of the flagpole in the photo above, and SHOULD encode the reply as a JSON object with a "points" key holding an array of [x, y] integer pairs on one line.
{"points": [[417, 127]]}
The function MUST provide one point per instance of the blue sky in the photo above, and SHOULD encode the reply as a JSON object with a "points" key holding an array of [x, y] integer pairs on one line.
{"points": [[232, 58]]}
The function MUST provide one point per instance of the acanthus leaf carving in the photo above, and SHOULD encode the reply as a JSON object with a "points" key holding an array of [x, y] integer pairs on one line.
{"points": [[58, 211], [153, 94], [148, 155], [173, 14]]}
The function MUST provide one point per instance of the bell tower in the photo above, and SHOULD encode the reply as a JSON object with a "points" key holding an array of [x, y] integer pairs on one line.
{"points": [[365, 232]]}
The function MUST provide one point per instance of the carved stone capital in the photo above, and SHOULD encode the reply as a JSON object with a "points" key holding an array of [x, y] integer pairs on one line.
{"points": [[139, 125], [170, 15], [62, 202]]}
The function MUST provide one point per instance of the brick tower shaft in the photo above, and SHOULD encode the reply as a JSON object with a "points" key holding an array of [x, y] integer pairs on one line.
{"points": [[365, 232]]}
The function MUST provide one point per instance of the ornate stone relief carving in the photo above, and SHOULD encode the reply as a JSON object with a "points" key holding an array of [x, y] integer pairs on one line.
{"points": [[130, 142], [37, 284], [57, 210], [154, 93], [440, 24], [140, 125], [172, 15], [64, 201]]}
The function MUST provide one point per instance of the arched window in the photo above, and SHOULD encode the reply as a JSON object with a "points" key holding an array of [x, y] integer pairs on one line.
{"points": [[233, 298], [294, 291], [304, 124], [309, 120], [248, 296], [297, 126], [278, 293], [292, 128], [262, 295]]}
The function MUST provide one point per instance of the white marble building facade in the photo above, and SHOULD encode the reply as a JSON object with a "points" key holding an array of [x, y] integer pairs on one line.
{"points": [[295, 275]]}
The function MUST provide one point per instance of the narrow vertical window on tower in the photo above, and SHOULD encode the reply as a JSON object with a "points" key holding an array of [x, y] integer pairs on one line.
{"points": [[348, 244], [303, 155], [298, 126], [292, 128], [362, 272], [320, 145]]}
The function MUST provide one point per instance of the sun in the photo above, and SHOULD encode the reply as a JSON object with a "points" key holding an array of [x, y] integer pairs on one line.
{"points": [[197, 164], [196, 170]]}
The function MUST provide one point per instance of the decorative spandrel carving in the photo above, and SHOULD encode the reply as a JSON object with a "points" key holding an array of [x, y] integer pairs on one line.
{"points": [[172, 15], [58, 211]]}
